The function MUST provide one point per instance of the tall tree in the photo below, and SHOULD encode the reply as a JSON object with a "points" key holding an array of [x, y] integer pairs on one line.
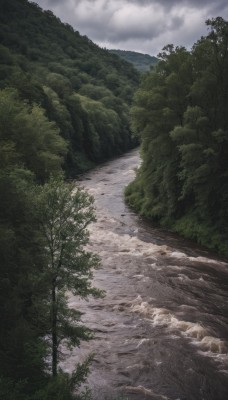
{"points": [[159, 106], [65, 213]]}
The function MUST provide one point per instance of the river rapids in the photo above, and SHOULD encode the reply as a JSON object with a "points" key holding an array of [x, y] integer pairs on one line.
{"points": [[161, 331]]}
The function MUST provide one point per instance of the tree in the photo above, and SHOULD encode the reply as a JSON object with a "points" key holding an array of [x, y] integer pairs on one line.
{"points": [[29, 148], [159, 105], [22, 294], [28, 138], [65, 213], [180, 113]]}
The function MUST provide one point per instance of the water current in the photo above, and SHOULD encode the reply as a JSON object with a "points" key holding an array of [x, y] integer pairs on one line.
{"points": [[161, 331]]}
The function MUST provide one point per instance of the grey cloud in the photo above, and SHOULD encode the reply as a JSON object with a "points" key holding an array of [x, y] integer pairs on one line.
{"points": [[219, 8], [219, 4], [124, 35], [171, 3], [49, 3], [145, 24]]}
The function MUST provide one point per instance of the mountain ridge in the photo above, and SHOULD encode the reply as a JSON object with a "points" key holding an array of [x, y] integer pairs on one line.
{"points": [[142, 62]]}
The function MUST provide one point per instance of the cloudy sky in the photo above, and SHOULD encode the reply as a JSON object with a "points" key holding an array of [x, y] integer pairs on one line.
{"points": [[139, 25]]}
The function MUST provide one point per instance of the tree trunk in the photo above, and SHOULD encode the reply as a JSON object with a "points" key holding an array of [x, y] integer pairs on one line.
{"points": [[54, 333]]}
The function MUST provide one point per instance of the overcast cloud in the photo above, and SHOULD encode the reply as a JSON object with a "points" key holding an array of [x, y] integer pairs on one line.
{"points": [[139, 25]]}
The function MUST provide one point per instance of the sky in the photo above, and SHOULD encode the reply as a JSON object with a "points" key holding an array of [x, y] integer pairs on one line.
{"points": [[145, 26]]}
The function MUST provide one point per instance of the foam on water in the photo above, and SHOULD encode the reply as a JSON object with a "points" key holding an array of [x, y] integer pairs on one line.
{"points": [[208, 261], [178, 254], [185, 278], [200, 335], [134, 366], [175, 267], [124, 243], [214, 345], [146, 392], [142, 341]]}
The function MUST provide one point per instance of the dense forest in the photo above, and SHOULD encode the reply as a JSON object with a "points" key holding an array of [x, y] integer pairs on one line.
{"points": [[142, 62], [64, 106], [84, 89], [180, 115]]}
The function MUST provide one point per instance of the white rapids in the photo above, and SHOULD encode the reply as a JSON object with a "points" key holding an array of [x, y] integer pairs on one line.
{"points": [[161, 330]]}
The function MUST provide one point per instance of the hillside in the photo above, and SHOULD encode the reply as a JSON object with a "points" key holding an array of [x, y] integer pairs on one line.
{"points": [[142, 62], [84, 89], [180, 115]]}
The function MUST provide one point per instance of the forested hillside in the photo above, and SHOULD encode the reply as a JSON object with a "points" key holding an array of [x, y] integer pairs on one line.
{"points": [[84, 89], [180, 114], [142, 62]]}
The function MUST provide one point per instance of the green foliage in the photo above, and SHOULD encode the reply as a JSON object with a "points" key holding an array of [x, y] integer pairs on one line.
{"points": [[27, 137], [65, 386], [50, 64], [22, 294], [105, 129], [31, 151], [61, 387], [180, 114], [64, 214], [42, 238], [142, 62], [11, 391]]}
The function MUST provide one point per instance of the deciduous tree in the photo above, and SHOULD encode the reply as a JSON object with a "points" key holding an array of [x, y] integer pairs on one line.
{"points": [[65, 213]]}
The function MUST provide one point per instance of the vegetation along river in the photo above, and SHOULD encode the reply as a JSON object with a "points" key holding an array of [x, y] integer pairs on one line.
{"points": [[161, 331]]}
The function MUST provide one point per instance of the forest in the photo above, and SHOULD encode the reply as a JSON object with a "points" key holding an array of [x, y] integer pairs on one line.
{"points": [[64, 107], [180, 115], [85, 90]]}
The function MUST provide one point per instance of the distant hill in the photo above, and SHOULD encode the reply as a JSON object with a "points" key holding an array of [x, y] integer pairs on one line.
{"points": [[142, 62]]}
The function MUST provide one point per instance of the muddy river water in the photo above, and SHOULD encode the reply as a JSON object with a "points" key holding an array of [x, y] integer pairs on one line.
{"points": [[161, 332]]}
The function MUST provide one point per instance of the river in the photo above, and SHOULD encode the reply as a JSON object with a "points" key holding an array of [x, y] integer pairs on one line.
{"points": [[161, 332]]}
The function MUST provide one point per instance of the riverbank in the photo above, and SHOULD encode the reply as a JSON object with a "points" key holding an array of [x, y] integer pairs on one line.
{"points": [[188, 226]]}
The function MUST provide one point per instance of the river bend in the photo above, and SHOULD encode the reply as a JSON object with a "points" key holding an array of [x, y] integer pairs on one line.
{"points": [[161, 332]]}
